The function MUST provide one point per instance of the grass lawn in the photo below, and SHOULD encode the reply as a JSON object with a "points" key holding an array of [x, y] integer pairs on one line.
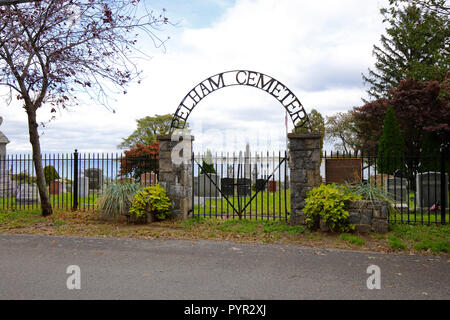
{"points": [[272, 204], [61, 201], [432, 239]]}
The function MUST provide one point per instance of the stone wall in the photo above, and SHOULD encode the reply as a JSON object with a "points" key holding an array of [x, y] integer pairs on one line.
{"points": [[304, 165], [175, 175], [369, 216]]}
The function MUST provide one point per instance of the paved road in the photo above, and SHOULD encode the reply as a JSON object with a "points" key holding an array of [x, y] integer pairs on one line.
{"points": [[34, 267]]}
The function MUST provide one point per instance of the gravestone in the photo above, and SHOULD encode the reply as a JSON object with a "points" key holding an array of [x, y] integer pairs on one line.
{"points": [[227, 186], [83, 187], [206, 187], [397, 189], [28, 194], [149, 179], [7, 187], [95, 176], [272, 186], [55, 187], [66, 187], [429, 189], [260, 185], [379, 179], [247, 162], [244, 187]]}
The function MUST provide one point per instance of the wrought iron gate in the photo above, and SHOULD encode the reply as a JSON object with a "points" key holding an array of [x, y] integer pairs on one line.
{"points": [[241, 186]]}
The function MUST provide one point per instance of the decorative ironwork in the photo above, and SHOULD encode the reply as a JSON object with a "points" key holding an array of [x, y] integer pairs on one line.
{"points": [[258, 80], [235, 197]]}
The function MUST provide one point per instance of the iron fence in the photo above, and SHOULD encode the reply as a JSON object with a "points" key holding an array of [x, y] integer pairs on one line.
{"points": [[74, 181], [241, 185], [232, 185], [416, 186]]}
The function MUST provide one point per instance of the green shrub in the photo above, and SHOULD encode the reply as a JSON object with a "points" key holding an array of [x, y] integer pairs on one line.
{"points": [[207, 168], [151, 200], [50, 174], [329, 203], [207, 164], [391, 147], [117, 199]]}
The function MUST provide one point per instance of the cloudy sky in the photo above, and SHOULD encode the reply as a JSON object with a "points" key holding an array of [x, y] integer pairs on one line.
{"points": [[316, 48]]}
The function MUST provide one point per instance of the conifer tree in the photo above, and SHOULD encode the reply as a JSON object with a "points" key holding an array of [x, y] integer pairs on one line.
{"points": [[415, 46], [391, 147]]}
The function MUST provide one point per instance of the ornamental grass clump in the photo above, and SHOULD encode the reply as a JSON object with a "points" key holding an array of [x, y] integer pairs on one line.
{"points": [[373, 193], [370, 192], [151, 200], [116, 199], [329, 204]]}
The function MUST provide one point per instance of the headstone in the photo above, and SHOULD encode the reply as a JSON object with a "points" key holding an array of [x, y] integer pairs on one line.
{"points": [[95, 176], [254, 174], [247, 162], [230, 171], [149, 179], [55, 187], [397, 188], [260, 185], [244, 187], [206, 187], [272, 186], [67, 187], [28, 193], [83, 187], [227, 186], [429, 189], [379, 179]]}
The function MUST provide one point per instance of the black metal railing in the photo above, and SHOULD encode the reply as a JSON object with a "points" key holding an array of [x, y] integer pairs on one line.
{"points": [[233, 186], [74, 181], [417, 186]]}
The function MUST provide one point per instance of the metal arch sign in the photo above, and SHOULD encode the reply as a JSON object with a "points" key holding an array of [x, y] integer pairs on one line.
{"points": [[258, 80]]}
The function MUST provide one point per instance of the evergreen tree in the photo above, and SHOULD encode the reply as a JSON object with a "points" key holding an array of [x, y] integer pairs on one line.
{"points": [[208, 164], [415, 47], [391, 148], [430, 155]]}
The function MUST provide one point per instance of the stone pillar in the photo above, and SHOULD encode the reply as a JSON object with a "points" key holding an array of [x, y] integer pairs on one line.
{"points": [[175, 172], [304, 164]]}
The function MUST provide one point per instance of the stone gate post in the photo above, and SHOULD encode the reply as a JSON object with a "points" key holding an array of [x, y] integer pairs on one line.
{"points": [[175, 171], [304, 164]]}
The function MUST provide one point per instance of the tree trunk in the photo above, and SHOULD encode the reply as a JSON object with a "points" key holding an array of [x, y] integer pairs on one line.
{"points": [[46, 206]]}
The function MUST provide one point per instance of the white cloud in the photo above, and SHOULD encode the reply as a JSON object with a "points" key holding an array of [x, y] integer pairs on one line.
{"points": [[318, 49]]}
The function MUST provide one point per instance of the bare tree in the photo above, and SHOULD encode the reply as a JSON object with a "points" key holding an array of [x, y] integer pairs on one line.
{"points": [[55, 52], [340, 129], [10, 2]]}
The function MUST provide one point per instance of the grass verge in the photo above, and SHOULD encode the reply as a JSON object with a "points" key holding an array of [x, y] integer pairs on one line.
{"points": [[402, 238]]}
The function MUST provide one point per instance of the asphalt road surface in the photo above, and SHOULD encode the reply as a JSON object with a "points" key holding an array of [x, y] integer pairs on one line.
{"points": [[35, 267]]}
